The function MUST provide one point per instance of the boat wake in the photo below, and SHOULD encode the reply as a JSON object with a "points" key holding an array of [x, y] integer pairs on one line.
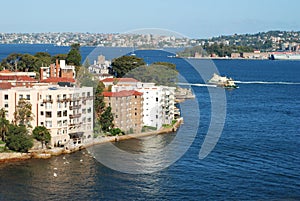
{"points": [[263, 82], [197, 84]]}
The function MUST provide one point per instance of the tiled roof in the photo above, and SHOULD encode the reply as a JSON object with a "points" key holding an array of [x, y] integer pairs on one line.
{"points": [[5, 71], [22, 78], [5, 85], [57, 79], [124, 93], [119, 80]]}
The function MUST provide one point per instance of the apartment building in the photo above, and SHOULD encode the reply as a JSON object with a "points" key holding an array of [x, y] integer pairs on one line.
{"points": [[67, 112], [127, 108], [158, 101], [158, 104]]}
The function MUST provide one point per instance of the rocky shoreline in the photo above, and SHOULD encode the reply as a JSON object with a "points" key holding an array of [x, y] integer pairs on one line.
{"points": [[48, 153]]}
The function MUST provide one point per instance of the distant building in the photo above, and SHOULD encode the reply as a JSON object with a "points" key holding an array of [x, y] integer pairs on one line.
{"points": [[101, 68], [58, 70], [127, 108], [67, 112]]}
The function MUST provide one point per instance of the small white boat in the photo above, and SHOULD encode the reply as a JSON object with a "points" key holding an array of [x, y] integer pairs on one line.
{"points": [[221, 81]]}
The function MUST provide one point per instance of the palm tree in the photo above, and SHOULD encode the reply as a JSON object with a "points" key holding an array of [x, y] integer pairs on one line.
{"points": [[2, 113], [4, 123]]}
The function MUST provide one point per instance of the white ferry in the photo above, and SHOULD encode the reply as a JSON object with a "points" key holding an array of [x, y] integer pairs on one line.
{"points": [[222, 81]]}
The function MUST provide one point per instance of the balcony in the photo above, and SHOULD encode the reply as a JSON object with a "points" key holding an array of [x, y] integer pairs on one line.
{"points": [[47, 101], [75, 107], [72, 116], [63, 100]]}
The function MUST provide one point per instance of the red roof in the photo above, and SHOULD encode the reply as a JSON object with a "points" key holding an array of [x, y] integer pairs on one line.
{"points": [[5, 85], [119, 80], [124, 93], [58, 79], [26, 78], [5, 71], [22, 78]]}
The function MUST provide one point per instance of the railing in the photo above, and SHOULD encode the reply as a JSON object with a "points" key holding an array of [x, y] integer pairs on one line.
{"points": [[72, 116], [75, 107]]}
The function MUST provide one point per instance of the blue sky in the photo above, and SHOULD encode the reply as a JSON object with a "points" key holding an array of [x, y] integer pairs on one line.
{"points": [[193, 18]]}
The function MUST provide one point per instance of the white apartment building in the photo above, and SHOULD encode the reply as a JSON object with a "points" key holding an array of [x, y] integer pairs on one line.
{"points": [[67, 112], [158, 102]]}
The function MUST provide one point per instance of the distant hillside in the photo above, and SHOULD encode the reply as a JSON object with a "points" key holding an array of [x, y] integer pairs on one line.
{"points": [[263, 41]]}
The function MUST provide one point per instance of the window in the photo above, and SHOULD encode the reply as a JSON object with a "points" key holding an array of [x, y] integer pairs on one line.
{"points": [[88, 94], [65, 113], [28, 97], [42, 113], [89, 110], [48, 106], [89, 119], [83, 111], [48, 114], [48, 97], [20, 96], [156, 99], [48, 124], [6, 105], [6, 97], [58, 113]]}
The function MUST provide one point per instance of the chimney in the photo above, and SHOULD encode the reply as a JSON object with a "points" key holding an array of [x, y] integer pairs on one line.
{"points": [[51, 70], [41, 74], [57, 68]]}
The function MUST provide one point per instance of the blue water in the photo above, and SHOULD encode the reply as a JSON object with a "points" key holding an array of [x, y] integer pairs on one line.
{"points": [[256, 157]]}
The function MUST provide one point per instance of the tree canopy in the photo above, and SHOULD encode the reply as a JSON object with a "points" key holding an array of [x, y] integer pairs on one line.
{"points": [[74, 56], [158, 74], [122, 65], [42, 134], [18, 139]]}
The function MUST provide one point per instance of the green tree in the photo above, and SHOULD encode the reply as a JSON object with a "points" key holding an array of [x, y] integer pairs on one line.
{"points": [[167, 64], [2, 113], [74, 56], [58, 57], [18, 139], [86, 79], [99, 103], [4, 124], [106, 120], [43, 59], [158, 74], [122, 65], [87, 63], [23, 114], [42, 134], [115, 131]]}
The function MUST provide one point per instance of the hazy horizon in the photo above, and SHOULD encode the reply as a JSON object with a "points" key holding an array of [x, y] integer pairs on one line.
{"points": [[194, 19]]}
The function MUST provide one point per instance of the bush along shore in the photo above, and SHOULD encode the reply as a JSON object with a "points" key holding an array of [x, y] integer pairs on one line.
{"points": [[48, 153]]}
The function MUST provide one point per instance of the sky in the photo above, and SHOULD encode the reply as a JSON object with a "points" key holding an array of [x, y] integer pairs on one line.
{"points": [[191, 18]]}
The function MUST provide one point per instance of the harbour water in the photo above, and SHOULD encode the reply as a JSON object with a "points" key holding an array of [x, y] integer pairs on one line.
{"points": [[256, 157]]}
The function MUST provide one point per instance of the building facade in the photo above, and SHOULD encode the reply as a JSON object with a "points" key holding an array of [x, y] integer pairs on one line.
{"points": [[67, 112], [127, 109]]}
